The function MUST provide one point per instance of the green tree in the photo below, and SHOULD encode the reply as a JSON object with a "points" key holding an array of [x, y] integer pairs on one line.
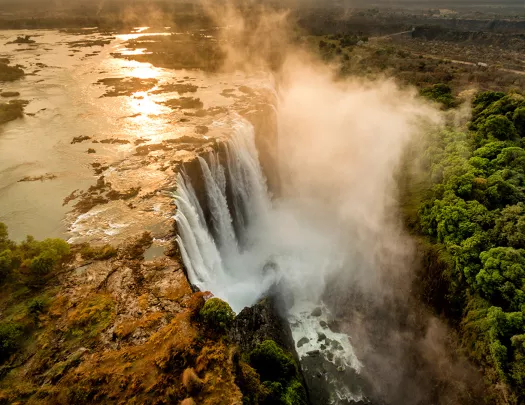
{"points": [[502, 277], [6, 264], [509, 229], [498, 127], [441, 93], [519, 120], [217, 314]]}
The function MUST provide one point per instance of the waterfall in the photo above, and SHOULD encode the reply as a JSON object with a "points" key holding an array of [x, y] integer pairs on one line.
{"points": [[219, 259], [254, 242]]}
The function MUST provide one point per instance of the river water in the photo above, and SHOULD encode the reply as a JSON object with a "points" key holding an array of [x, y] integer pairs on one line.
{"points": [[65, 102]]}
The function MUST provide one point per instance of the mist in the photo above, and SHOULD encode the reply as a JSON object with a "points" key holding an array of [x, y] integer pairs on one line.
{"points": [[332, 237]]}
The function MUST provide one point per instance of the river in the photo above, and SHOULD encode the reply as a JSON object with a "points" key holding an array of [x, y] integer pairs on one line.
{"points": [[65, 101]]}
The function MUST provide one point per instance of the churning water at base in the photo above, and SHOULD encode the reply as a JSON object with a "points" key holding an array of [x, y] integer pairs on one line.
{"points": [[249, 242]]}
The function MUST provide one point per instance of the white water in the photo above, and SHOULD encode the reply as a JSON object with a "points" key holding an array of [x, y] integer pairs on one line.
{"points": [[276, 242]]}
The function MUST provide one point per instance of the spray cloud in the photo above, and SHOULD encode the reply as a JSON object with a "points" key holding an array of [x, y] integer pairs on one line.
{"points": [[333, 237]]}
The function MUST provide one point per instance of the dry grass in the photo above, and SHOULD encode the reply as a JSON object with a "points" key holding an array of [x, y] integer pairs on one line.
{"points": [[126, 329]]}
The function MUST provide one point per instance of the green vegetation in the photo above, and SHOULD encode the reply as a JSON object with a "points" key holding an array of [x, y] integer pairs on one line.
{"points": [[104, 252], [476, 212], [217, 314], [441, 93], [30, 258], [271, 378], [10, 334], [272, 363], [92, 316], [338, 45], [24, 269]]}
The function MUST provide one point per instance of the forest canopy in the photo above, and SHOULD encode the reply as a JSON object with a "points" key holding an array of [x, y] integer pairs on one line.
{"points": [[476, 211]]}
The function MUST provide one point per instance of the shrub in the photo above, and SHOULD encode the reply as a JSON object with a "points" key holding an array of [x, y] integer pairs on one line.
{"points": [[4, 239], [46, 254], [42, 265], [217, 314], [272, 363], [6, 263], [10, 334], [295, 394], [519, 120], [97, 252], [36, 307], [441, 93], [273, 391], [250, 385]]}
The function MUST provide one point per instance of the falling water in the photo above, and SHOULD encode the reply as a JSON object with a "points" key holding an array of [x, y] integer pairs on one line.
{"points": [[258, 242]]}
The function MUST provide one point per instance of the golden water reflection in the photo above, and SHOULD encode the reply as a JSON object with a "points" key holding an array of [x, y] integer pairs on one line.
{"points": [[141, 103], [143, 70], [128, 37]]}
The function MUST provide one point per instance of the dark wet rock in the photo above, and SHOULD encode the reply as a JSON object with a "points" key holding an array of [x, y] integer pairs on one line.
{"points": [[228, 93], [201, 129], [188, 139], [247, 90], [12, 110], [89, 201], [302, 341], [10, 73], [10, 94], [47, 176], [185, 51], [199, 113], [126, 86], [146, 149], [323, 324], [89, 43], [126, 195], [317, 312], [115, 141], [176, 87], [26, 39], [313, 353], [91, 150], [136, 114], [335, 345], [261, 322], [335, 326], [184, 103], [70, 197], [321, 336], [80, 139]]}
